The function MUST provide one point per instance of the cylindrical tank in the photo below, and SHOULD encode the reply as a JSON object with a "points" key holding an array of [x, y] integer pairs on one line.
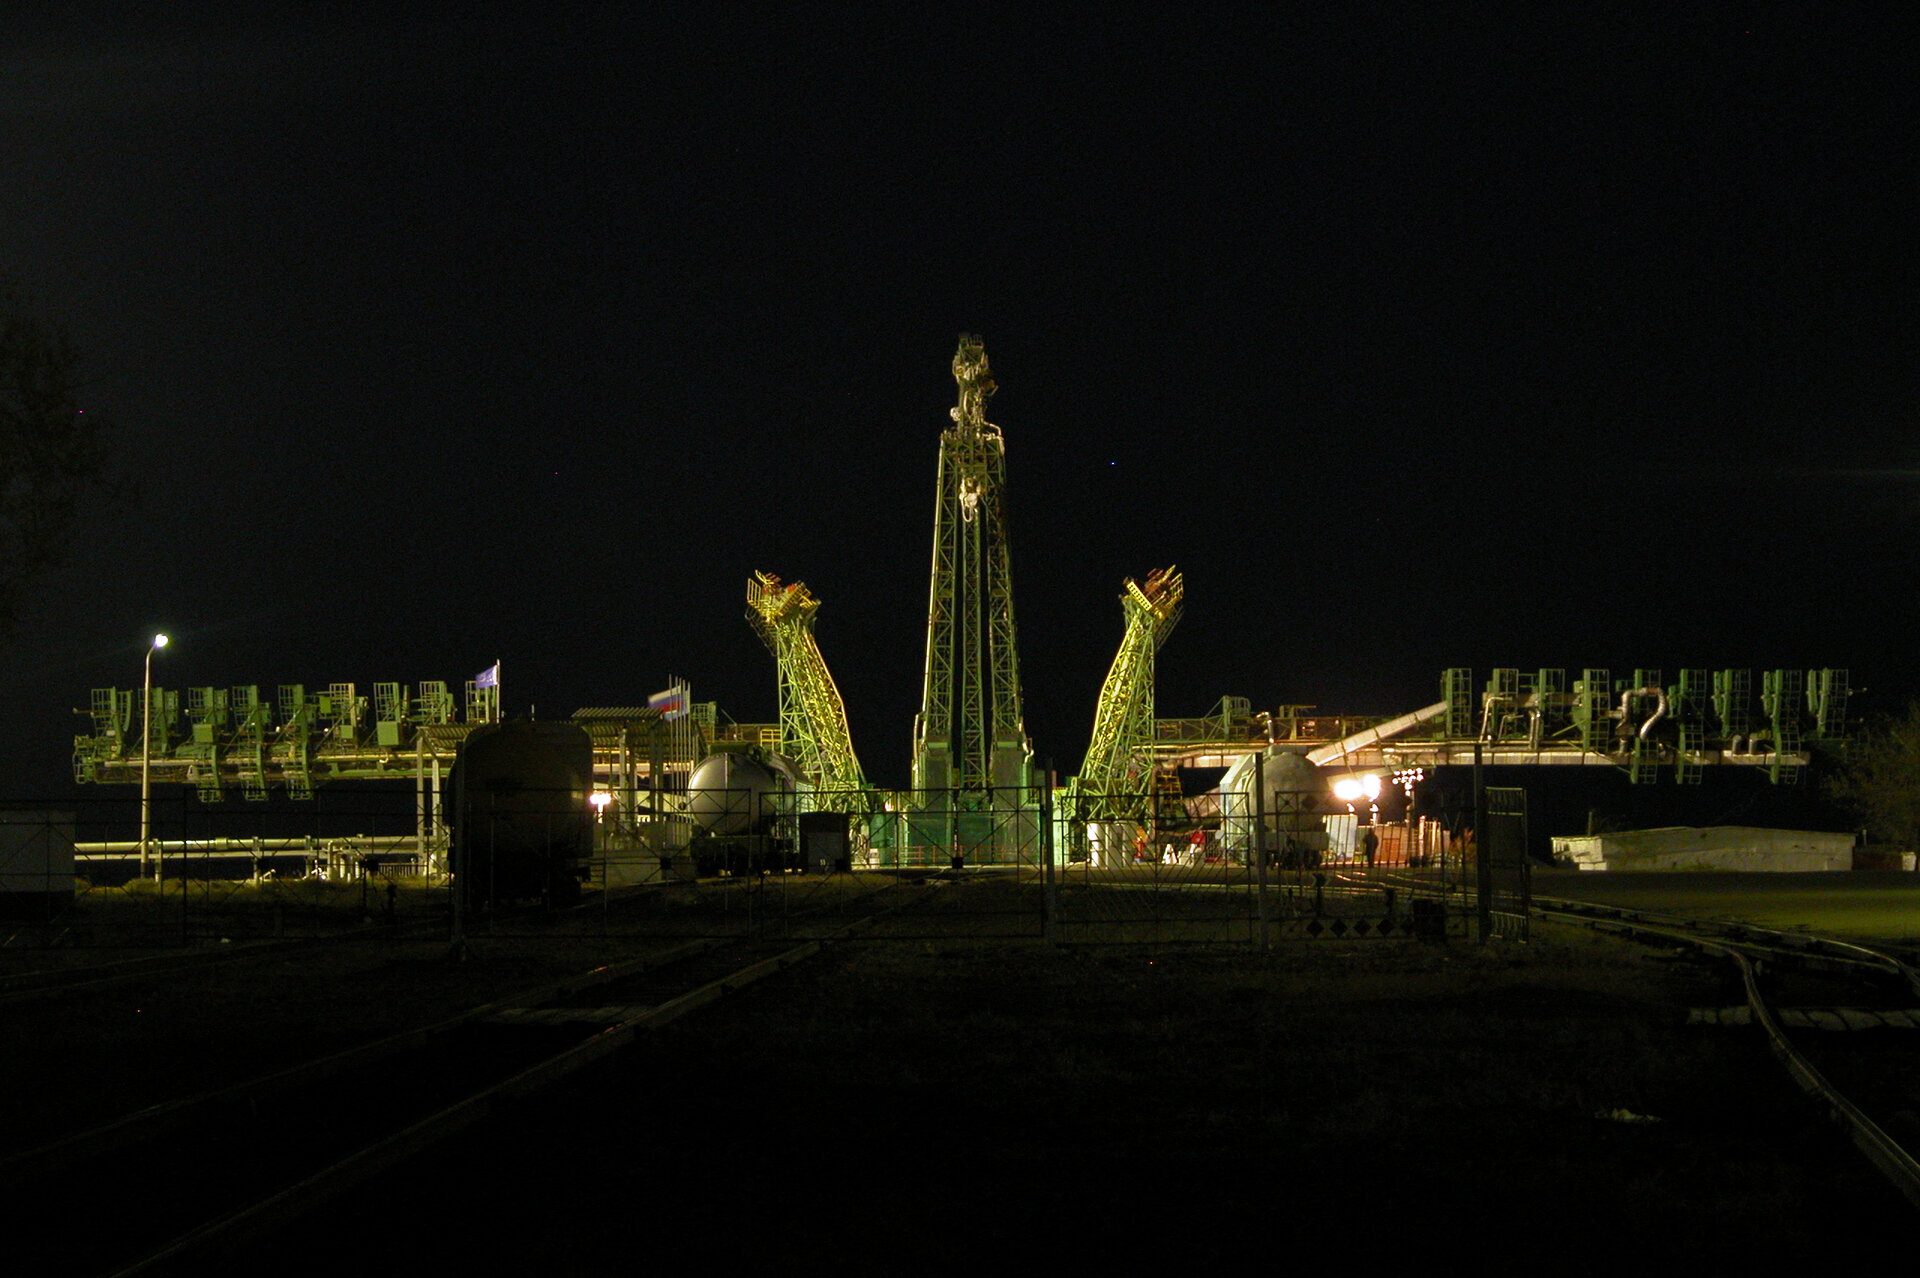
{"points": [[521, 825], [1288, 804]]}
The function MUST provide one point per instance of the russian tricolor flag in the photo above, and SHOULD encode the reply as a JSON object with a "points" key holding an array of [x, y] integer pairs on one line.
{"points": [[671, 704]]}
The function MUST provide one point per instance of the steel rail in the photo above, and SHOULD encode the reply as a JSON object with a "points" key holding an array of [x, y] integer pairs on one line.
{"points": [[1793, 944], [169, 1116], [370, 1160], [23, 987], [1893, 1162]]}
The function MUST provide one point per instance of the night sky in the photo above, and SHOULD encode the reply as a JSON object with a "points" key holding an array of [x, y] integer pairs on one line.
{"points": [[1467, 336]]}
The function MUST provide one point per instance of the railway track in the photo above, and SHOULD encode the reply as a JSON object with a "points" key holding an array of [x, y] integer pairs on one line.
{"points": [[1799, 989], [727, 897], [167, 1187]]}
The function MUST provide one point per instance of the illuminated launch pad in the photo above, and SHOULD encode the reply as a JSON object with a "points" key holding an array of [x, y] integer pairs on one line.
{"points": [[975, 797]]}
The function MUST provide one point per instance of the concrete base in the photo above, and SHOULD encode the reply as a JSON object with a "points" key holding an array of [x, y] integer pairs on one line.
{"points": [[1720, 847]]}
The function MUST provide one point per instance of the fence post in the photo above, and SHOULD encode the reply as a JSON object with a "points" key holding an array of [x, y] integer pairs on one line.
{"points": [[1260, 846], [1048, 903], [1483, 868]]}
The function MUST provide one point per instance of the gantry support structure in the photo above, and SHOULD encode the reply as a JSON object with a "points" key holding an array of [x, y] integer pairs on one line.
{"points": [[1649, 727], [1116, 781], [970, 746], [813, 717]]}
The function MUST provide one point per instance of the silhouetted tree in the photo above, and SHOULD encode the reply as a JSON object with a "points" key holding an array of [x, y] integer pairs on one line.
{"points": [[51, 451], [1880, 780]]}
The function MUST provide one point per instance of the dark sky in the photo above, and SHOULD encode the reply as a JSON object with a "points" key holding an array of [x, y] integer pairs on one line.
{"points": [[1456, 337]]}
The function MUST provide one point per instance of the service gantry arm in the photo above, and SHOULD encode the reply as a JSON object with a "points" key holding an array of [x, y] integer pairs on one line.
{"points": [[1118, 773], [813, 718]]}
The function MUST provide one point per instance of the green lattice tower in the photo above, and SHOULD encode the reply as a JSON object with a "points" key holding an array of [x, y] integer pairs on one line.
{"points": [[970, 747], [1592, 709], [1689, 700], [1118, 772], [1550, 706], [813, 717], [299, 715], [1732, 703], [253, 719], [1643, 763], [1456, 689], [1782, 696], [434, 704], [207, 710], [392, 709], [1827, 703], [1504, 695]]}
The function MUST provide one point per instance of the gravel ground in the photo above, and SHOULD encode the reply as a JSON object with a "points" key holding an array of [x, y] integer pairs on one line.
{"points": [[1374, 1103], [941, 1104]]}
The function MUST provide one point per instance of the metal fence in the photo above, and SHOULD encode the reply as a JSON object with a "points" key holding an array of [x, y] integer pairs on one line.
{"points": [[1063, 868], [1023, 867], [69, 877]]}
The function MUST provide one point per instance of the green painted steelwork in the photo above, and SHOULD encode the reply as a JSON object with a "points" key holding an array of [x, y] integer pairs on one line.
{"points": [[1643, 760], [813, 718], [1593, 708], [1827, 703], [1230, 719], [1117, 777], [1457, 691], [1782, 696], [1733, 702], [237, 739], [1688, 702], [970, 742]]}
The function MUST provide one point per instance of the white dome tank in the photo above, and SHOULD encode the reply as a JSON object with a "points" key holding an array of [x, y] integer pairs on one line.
{"points": [[1296, 798], [733, 792]]}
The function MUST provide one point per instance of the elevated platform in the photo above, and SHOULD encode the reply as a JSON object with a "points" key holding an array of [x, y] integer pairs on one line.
{"points": [[234, 741], [1644, 726]]}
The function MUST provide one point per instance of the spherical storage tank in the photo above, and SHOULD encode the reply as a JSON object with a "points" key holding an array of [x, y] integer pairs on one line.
{"points": [[740, 792], [1293, 797]]}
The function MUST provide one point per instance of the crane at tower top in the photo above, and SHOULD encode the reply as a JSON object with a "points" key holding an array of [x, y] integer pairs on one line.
{"points": [[976, 384]]}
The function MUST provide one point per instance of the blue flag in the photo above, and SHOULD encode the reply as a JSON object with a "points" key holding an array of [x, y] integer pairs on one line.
{"points": [[488, 678]]}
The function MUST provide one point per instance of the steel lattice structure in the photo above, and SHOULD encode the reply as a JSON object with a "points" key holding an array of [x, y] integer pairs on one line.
{"points": [[970, 739], [1118, 772], [813, 718]]}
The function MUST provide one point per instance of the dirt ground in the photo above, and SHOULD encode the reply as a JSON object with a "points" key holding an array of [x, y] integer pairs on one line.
{"points": [[1000, 1104], [937, 1104]]}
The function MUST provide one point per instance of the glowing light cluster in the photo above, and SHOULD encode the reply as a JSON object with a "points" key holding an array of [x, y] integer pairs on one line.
{"points": [[1352, 788]]}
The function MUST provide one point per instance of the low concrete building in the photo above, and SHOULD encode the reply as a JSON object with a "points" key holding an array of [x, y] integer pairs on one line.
{"points": [[1718, 847]]}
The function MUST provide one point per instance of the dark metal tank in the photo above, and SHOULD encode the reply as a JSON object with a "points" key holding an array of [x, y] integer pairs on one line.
{"points": [[521, 825]]}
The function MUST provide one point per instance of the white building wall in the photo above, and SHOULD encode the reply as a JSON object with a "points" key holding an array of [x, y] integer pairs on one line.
{"points": [[1720, 847]]}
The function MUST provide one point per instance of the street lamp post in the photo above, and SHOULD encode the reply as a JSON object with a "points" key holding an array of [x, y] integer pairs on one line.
{"points": [[146, 756]]}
